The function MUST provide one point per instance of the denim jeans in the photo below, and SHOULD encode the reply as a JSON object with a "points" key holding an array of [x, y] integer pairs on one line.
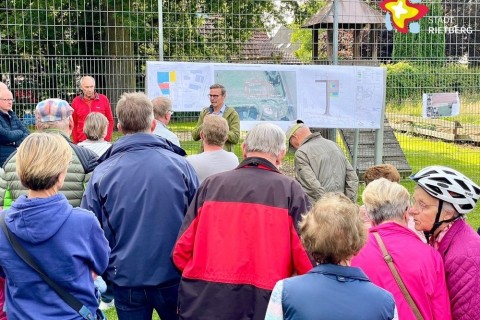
{"points": [[137, 303]]}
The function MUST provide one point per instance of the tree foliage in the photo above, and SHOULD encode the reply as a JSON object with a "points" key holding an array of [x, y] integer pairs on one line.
{"points": [[110, 39], [425, 45], [464, 14], [304, 36]]}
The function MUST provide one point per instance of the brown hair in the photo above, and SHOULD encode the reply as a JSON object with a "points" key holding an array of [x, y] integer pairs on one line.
{"points": [[332, 230], [219, 86], [215, 130], [386, 171], [134, 112], [161, 105]]}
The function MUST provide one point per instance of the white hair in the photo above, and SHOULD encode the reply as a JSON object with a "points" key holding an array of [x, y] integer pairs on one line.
{"points": [[266, 138], [385, 200], [86, 77]]}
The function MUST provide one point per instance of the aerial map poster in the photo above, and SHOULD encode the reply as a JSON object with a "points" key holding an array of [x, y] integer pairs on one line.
{"points": [[322, 96]]}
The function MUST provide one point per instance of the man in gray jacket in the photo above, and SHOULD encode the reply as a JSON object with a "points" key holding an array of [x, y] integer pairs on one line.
{"points": [[320, 164]]}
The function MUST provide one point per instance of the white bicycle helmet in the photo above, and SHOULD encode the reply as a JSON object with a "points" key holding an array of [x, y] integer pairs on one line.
{"points": [[449, 185]]}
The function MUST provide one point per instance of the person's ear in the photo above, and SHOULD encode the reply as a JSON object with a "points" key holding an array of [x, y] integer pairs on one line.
{"points": [[448, 214], [70, 123], [201, 135], [279, 158], [119, 127], [244, 150], [61, 179], [153, 125], [406, 215]]}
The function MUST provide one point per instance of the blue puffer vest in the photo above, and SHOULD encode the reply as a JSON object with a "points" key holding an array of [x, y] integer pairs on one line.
{"points": [[335, 292]]}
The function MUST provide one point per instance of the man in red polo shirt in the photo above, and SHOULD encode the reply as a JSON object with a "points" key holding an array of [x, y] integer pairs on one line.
{"points": [[89, 101]]}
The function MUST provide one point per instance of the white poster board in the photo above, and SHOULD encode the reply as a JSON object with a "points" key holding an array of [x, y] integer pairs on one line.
{"points": [[321, 96], [436, 105]]}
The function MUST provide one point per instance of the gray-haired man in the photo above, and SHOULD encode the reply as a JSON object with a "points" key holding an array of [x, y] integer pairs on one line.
{"points": [[239, 236]]}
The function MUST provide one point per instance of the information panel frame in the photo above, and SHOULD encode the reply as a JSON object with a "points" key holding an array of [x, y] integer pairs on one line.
{"points": [[349, 97]]}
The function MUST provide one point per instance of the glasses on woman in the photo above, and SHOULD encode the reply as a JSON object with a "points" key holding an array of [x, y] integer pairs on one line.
{"points": [[420, 205]]}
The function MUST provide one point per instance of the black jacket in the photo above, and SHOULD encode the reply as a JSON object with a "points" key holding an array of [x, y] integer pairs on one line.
{"points": [[12, 133]]}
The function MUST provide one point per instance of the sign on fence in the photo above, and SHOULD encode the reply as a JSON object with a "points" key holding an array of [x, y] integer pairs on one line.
{"points": [[437, 105], [322, 96]]}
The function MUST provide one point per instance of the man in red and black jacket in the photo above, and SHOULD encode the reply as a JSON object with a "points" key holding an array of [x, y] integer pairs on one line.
{"points": [[89, 101], [240, 235]]}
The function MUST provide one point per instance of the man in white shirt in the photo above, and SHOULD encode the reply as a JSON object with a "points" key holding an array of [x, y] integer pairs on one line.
{"points": [[214, 159], [162, 110]]}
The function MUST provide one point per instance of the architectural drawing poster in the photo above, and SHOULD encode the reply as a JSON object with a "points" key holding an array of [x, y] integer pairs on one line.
{"points": [[321, 96]]}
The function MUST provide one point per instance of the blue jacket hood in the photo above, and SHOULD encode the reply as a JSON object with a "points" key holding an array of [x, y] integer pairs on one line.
{"points": [[140, 141], [38, 219]]}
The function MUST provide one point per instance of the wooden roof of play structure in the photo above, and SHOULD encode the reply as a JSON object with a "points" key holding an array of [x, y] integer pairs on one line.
{"points": [[351, 13], [354, 16]]}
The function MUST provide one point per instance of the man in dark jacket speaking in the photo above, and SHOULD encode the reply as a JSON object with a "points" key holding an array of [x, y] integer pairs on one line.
{"points": [[140, 192]]}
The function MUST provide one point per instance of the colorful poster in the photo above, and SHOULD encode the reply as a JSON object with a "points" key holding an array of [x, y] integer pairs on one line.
{"points": [[436, 105], [321, 96]]}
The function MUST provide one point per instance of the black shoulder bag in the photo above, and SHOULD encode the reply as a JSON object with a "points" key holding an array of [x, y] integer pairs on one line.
{"points": [[66, 296]]}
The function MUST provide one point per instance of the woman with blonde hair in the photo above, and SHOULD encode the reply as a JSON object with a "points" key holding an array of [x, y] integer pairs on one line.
{"points": [[419, 266], [67, 243], [332, 232]]}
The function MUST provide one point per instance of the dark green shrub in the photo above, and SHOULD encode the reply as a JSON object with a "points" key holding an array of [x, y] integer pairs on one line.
{"points": [[408, 81]]}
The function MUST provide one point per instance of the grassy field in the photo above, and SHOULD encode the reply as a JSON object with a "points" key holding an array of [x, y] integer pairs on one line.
{"points": [[470, 110], [112, 315], [422, 152]]}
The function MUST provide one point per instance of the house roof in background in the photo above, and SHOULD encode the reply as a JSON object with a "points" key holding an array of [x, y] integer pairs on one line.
{"points": [[282, 40], [261, 48]]}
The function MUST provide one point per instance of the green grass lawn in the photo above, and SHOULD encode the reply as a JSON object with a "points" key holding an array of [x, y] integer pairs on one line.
{"points": [[112, 315]]}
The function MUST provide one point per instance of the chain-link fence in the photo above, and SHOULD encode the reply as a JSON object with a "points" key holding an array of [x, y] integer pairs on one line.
{"points": [[46, 46]]}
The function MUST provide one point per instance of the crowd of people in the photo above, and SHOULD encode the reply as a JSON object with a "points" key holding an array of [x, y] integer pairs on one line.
{"points": [[138, 224]]}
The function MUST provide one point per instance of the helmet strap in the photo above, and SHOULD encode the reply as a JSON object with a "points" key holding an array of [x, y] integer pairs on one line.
{"points": [[437, 223]]}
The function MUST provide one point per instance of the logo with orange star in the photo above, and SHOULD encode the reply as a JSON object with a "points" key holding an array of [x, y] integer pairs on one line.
{"points": [[403, 15]]}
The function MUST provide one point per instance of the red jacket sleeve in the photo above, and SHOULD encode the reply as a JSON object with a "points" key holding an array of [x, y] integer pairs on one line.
{"points": [[183, 249], [75, 136], [111, 122]]}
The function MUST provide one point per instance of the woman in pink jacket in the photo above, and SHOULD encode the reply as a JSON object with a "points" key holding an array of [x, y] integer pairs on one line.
{"points": [[442, 198], [420, 266]]}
